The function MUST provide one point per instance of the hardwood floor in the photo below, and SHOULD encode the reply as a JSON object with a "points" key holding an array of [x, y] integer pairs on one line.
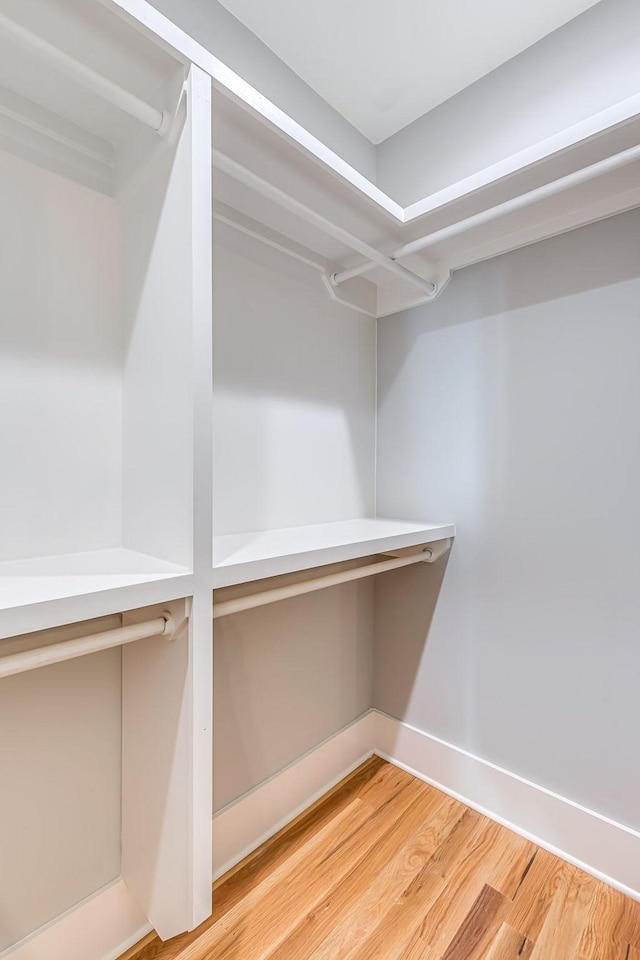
{"points": [[386, 867]]}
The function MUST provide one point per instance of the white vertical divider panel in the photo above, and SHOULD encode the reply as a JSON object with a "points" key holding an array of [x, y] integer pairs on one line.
{"points": [[202, 607], [167, 686]]}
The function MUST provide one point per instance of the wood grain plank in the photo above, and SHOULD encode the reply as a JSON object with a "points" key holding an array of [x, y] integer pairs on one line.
{"points": [[515, 857], [479, 928], [632, 922], [509, 944], [347, 917], [562, 930], [533, 898], [420, 951], [605, 933], [401, 924], [498, 861], [384, 785]]}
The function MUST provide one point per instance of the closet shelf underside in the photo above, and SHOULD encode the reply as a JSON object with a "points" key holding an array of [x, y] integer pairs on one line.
{"points": [[241, 558], [45, 592]]}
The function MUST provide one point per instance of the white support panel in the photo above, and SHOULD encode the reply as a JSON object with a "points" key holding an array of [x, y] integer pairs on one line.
{"points": [[156, 775], [201, 652], [241, 558], [167, 689]]}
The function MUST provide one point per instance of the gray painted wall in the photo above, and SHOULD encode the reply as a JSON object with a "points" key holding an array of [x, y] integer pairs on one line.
{"points": [[294, 444], [286, 677], [60, 782], [208, 22], [585, 66], [294, 394], [512, 407]]}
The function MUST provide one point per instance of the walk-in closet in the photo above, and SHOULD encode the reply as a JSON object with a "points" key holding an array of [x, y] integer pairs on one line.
{"points": [[318, 460]]}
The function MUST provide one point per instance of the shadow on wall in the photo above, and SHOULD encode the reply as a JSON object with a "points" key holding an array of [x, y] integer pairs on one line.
{"points": [[405, 605]]}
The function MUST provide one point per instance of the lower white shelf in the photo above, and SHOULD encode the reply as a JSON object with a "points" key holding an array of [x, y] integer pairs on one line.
{"points": [[243, 557], [45, 592]]}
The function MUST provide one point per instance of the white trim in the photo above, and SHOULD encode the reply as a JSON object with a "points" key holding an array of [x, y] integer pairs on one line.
{"points": [[102, 927], [243, 825], [598, 845], [576, 135]]}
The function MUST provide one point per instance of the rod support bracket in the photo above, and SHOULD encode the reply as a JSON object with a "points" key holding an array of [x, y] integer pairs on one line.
{"points": [[428, 553], [172, 630], [165, 123]]}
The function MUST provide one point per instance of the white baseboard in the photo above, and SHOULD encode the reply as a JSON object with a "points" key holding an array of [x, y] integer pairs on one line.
{"points": [[102, 927], [246, 823], [598, 845], [107, 924]]}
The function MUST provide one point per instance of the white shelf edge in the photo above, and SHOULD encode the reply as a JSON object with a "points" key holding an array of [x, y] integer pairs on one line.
{"points": [[50, 603], [228, 573]]}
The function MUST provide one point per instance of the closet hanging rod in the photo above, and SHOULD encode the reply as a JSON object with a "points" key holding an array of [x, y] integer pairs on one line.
{"points": [[80, 73], [430, 554], [14, 663], [234, 169], [578, 177]]}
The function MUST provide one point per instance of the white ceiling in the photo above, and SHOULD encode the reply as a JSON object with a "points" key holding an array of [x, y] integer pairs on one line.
{"points": [[383, 63]]}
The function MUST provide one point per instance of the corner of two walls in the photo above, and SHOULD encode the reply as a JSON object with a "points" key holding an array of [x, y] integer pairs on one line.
{"points": [[587, 65]]}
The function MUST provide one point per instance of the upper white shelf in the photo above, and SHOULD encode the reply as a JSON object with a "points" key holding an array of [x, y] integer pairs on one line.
{"points": [[240, 558], [36, 594]]}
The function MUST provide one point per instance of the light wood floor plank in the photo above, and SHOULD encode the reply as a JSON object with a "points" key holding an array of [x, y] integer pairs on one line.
{"points": [[605, 933], [348, 917], [533, 899], [498, 861], [562, 930], [509, 944], [420, 951], [402, 924], [479, 928], [632, 923]]}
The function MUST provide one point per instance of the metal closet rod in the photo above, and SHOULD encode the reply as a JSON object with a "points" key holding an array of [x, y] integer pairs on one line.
{"points": [[234, 169], [14, 663], [65, 64], [429, 554], [574, 179]]}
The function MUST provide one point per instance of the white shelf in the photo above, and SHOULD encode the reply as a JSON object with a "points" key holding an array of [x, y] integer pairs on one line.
{"points": [[50, 591], [240, 558]]}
